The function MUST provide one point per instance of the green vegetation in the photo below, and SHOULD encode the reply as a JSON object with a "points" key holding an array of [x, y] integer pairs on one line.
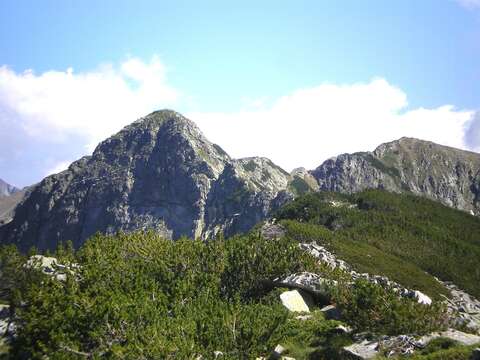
{"points": [[250, 166], [299, 186], [140, 296], [400, 236], [451, 352], [390, 170]]}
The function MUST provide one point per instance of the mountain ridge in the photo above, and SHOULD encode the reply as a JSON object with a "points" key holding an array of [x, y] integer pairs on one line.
{"points": [[160, 172], [442, 173]]}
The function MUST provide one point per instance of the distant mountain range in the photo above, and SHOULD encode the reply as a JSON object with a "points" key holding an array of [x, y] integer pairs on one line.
{"points": [[160, 172], [7, 189]]}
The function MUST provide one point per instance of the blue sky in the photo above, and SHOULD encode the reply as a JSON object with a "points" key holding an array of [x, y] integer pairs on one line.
{"points": [[229, 60]]}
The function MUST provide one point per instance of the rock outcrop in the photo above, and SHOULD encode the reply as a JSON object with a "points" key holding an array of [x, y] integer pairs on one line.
{"points": [[441, 173], [158, 173]]}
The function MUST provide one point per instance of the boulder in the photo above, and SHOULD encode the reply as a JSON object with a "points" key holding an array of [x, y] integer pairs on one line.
{"points": [[475, 354], [331, 312], [270, 230], [295, 301], [278, 351]]}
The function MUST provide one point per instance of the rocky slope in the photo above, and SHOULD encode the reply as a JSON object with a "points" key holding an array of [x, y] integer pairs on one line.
{"points": [[7, 189], [441, 173], [158, 173]]}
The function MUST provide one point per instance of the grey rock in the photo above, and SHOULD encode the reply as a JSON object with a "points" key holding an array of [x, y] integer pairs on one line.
{"points": [[475, 354], [296, 301], [50, 266], [309, 282], [270, 230], [278, 351], [441, 173], [362, 350], [324, 256], [158, 173], [463, 308], [331, 312]]}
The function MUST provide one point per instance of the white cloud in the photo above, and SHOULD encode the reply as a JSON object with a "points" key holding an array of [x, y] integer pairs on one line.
{"points": [[469, 4], [61, 115], [58, 103], [311, 125], [59, 167], [50, 118]]}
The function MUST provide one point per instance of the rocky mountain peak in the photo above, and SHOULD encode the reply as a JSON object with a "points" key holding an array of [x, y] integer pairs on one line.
{"points": [[442, 173], [159, 173]]}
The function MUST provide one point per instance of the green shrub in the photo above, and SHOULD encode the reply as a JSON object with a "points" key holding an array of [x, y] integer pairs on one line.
{"points": [[369, 307]]}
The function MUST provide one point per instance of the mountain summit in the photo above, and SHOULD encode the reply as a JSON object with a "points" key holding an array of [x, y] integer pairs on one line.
{"points": [[450, 176], [158, 173]]}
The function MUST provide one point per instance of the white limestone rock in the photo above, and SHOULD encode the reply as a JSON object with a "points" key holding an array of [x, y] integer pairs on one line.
{"points": [[295, 301]]}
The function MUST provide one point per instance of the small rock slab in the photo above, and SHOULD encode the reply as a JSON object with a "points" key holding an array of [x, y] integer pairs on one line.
{"points": [[362, 350], [294, 301]]}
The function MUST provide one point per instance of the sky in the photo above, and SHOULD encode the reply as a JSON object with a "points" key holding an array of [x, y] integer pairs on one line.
{"points": [[295, 81]]}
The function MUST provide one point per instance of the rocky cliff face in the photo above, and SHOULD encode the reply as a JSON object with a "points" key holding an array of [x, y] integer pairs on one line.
{"points": [[158, 173], [441, 173]]}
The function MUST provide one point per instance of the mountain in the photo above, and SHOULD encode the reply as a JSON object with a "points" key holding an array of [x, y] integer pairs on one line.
{"points": [[161, 173], [157, 173], [7, 189], [438, 172]]}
